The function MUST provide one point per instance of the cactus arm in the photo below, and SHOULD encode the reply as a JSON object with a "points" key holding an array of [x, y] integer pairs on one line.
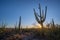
{"points": [[45, 11], [45, 14], [36, 17], [40, 10]]}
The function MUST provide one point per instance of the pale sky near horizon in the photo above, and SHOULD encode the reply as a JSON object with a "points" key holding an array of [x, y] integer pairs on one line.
{"points": [[10, 10]]}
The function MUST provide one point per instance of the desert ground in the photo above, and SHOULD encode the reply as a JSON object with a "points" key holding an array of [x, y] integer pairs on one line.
{"points": [[30, 34]]}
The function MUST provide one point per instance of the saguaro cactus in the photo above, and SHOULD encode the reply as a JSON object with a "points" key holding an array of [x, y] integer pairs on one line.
{"points": [[16, 26], [40, 18], [19, 22], [53, 25]]}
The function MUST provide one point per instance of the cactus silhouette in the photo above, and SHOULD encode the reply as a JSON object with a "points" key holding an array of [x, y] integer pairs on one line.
{"points": [[53, 24], [19, 22], [15, 26], [40, 18]]}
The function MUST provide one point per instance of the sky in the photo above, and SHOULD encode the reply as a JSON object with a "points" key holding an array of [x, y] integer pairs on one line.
{"points": [[11, 10]]}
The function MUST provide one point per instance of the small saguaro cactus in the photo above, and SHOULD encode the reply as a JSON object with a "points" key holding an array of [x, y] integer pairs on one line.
{"points": [[40, 18], [19, 22], [53, 25], [16, 26]]}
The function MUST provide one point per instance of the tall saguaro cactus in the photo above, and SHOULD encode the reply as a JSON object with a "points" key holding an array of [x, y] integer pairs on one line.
{"points": [[40, 18], [19, 22]]}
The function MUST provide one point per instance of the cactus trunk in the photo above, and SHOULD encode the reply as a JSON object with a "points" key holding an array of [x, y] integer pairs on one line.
{"points": [[42, 25]]}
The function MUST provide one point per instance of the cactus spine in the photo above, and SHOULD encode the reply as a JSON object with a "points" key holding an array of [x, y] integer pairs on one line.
{"points": [[19, 22], [40, 18]]}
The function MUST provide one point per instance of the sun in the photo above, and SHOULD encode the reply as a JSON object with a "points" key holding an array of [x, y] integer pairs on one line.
{"points": [[39, 26]]}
